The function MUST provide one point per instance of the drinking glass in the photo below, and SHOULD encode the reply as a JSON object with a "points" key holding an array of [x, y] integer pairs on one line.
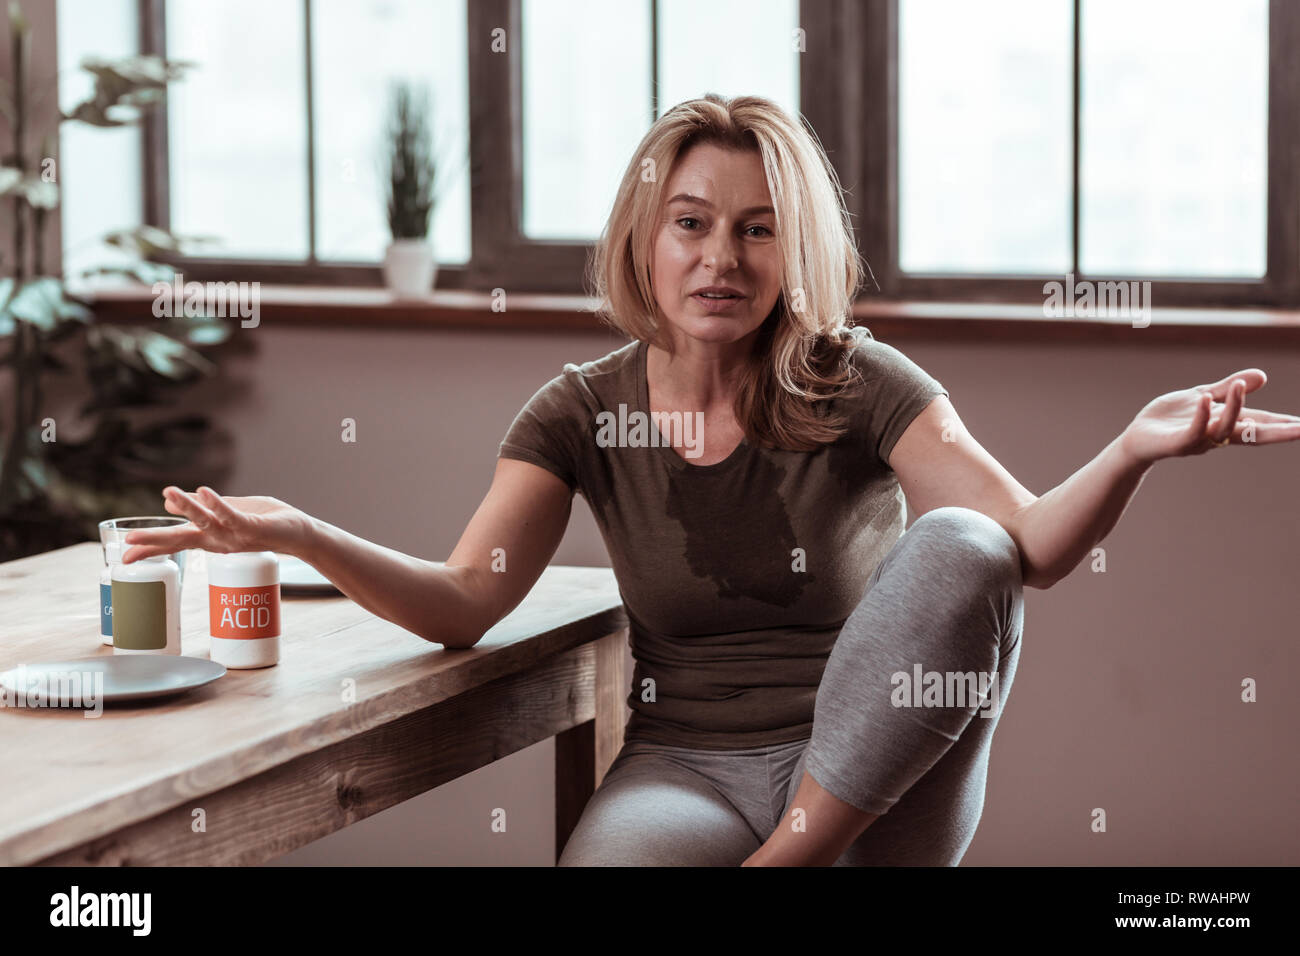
{"points": [[115, 530]]}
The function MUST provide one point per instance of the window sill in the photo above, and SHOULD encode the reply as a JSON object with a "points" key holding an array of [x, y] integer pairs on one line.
{"points": [[888, 320]]}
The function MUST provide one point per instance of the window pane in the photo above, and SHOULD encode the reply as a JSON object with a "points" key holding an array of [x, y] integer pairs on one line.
{"points": [[586, 93], [984, 136], [1174, 138], [237, 126], [700, 44], [358, 48], [99, 169]]}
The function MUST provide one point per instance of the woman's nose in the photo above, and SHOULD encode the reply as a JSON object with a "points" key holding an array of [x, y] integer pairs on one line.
{"points": [[720, 253]]}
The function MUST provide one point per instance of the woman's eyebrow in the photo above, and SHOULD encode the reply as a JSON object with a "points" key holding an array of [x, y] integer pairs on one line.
{"points": [[751, 211]]}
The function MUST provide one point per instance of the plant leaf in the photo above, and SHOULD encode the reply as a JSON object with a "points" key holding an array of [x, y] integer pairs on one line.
{"points": [[170, 358], [43, 303], [143, 272], [40, 194], [92, 114], [10, 177], [200, 330], [150, 242], [36, 303], [127, 83]]}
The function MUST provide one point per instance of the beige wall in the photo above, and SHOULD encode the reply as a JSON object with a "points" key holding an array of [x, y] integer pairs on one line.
{"points": [[1127, 695]]}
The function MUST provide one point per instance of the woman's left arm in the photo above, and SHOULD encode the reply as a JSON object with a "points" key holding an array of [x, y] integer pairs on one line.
{"points": [[938, 463]]}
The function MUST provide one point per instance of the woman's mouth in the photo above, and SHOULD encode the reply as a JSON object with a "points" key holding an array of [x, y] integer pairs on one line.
{"points": [[717, 302]]}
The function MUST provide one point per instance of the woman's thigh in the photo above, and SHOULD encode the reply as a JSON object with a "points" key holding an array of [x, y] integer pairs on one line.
{"points": [[651, 810]]}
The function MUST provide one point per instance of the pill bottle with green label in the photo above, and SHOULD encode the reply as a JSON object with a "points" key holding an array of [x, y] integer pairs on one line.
{"points": [[146, 606], [244, 608]]}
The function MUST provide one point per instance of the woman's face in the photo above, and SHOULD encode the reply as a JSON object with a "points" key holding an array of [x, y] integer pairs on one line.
{"points": [[716, 228]]}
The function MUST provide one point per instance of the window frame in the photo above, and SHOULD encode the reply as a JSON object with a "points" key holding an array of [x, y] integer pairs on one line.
{"points": [[1280, 285], [848, 94], [156, 192]]}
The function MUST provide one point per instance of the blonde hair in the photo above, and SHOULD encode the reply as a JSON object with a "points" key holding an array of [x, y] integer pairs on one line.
{"points": [[800, 354]]}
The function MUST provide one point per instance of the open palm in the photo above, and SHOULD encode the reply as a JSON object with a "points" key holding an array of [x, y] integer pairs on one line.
{"points": [[1193, 420], [220, 524]]}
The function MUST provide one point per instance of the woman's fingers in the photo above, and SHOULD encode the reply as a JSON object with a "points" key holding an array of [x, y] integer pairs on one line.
{"points": [[149, 549], [221, 510], [1232, 407], [146, 542], [1253, 377], [214, 524], [1204, 405], [1268, 433], [183, 503], [1263, 415]]}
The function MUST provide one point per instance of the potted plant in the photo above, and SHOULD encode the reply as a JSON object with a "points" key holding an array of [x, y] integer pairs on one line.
{"points": [[409, 264], [55, 486]]}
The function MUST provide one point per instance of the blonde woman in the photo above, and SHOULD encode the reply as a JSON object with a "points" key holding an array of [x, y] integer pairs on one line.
{"points": [[746, 457]]}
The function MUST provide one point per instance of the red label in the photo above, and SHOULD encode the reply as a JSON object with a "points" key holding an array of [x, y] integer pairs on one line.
{"points": [[244, 613]]}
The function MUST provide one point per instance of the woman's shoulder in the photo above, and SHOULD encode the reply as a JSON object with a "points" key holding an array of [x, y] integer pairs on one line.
{"points": [[621, 361], [591, 385], [881, 363]]}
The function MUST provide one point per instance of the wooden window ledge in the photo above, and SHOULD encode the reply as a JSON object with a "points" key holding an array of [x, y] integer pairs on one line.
{"points": [[889, 320]]}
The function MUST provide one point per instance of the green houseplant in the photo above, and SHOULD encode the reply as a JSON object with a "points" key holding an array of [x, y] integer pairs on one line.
{"points": [[409, 264], [54, 488]]}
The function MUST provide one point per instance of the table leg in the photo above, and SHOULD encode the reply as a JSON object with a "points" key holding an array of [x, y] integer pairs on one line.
{"points": [[583, 753]]}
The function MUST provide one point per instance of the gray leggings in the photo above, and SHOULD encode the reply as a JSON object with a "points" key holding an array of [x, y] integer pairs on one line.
{"points": [[946, 598]]}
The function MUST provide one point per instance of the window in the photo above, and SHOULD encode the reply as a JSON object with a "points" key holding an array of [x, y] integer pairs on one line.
{"points": [[1173, 145], [984, 148], [1105, 139], [99, 168], [275, 138], [585, 100], [237, 127]]}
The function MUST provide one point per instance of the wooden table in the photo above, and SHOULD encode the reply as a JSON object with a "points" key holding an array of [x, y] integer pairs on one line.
{"points": [[280, 756]]}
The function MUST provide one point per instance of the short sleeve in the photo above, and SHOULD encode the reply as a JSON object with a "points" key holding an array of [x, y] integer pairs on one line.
{"points": [[897, 390], [547, 431]]}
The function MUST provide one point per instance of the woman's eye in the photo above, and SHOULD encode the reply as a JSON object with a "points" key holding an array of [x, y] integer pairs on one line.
{"points": [[690, 223]]}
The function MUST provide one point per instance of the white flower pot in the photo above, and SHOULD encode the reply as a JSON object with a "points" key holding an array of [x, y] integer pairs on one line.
{"points": [[409, 268]]}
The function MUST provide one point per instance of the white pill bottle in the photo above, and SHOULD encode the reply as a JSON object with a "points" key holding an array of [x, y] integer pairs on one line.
{"points": [[146, 604], [244, 608]]}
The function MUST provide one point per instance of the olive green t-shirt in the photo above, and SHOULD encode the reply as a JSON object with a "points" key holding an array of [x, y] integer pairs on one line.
{"points": [[736, 576]]}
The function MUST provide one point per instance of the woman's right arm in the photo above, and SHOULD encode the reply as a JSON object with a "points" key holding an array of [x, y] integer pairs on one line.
{"points": [[524, 514]]}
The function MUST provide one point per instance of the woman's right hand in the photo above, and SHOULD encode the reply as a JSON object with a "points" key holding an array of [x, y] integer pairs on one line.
{"points": [[221, 525]]}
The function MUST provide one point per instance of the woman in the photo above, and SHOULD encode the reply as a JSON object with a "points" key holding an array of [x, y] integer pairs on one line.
{"points": [[746, 457]]}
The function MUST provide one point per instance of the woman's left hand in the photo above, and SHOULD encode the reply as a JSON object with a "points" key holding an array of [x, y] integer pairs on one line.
{"points": [[1194, 420]]}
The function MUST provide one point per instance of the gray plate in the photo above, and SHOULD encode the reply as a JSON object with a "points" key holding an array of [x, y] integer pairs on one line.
{"points": [[299, 577], [126, 676]]}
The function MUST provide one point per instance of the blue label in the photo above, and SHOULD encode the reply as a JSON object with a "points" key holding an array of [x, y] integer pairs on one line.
{"points": [[106, 610]]}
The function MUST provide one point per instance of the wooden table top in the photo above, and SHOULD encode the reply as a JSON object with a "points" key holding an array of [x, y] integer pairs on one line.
{"points": [[72, 779]]}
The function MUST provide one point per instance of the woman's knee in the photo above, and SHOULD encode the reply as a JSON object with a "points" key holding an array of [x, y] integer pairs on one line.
{"points": [[986, 553]]}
